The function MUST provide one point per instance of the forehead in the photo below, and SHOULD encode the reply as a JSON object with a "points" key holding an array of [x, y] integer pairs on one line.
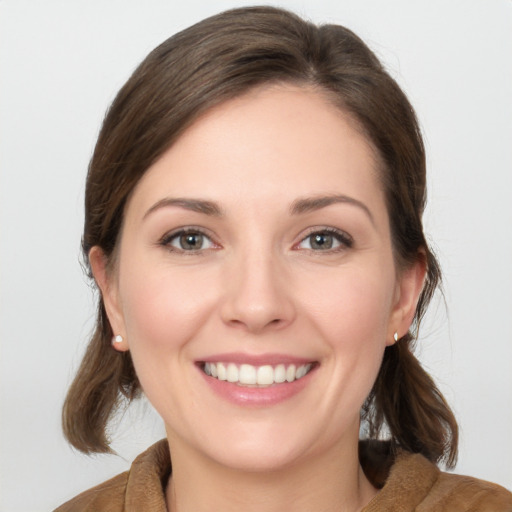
{"points": [[261, 144]]}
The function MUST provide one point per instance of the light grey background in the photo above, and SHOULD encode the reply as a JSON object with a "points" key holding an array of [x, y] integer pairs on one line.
{"points": [[61, 63]]}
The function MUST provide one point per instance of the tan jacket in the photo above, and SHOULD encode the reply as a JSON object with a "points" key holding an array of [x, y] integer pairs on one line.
{"points": [[414, 485]]}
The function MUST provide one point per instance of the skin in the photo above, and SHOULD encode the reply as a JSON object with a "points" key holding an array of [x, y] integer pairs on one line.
{"points": [[259, 285]]}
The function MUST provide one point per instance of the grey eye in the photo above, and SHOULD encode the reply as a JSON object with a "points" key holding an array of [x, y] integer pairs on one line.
{"points": [[326, 240], [321, 241], [190, 241]]}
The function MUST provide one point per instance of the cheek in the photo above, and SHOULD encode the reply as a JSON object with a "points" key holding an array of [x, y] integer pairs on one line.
{"points": [[352, 313], [163, 313], [162, 309], [352, 306]]}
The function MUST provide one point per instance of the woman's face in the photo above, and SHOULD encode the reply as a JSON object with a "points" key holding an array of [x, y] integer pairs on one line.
{"points": [[255, 283]]}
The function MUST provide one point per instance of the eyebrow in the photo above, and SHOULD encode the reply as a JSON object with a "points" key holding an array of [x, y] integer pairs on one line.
{"points": [[195, 205], [310, 204], [298, 207]]}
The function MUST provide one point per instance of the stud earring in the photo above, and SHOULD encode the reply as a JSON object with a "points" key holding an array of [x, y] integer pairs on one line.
{"points": [[117, 339], [395, 336]]}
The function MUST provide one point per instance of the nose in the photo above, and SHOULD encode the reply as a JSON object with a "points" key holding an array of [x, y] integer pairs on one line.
{"points": [[257, 295]]}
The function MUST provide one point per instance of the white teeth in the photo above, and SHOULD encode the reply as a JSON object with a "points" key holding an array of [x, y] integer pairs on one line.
{"points": [[290, 373], [221, 371], [249, 375], [232, 373], [265, 375], [279, 373], [301, 371]]}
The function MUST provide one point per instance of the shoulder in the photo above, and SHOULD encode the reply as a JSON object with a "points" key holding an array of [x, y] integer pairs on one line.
{"points": [[457, 492], [107, 496], [140, 488], [416, 484]]}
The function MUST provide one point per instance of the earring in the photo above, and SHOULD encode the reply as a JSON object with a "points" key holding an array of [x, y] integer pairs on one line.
{"points": [[117, 339], [395, 336]]}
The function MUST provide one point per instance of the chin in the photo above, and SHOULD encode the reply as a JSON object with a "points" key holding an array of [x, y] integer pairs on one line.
{"points": [[266, 446], [258, 459]]}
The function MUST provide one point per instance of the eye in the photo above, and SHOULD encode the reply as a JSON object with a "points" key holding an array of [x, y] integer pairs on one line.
{"points": [[187, 240], [326, 240]]}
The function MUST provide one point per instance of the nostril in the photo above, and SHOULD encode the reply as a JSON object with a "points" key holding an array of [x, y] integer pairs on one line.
{"points": [[257, 325], [256, 311]]}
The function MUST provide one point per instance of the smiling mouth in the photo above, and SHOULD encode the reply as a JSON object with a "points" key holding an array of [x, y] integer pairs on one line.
{"points": [[260, 376]]}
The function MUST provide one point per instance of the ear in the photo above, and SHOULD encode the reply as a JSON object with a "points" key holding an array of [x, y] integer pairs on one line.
{"points": [[107, 284], [408, 290]]}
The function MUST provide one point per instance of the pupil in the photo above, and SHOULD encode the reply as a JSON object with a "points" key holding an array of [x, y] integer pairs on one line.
{"points": [[191, 240], [321, 241]]}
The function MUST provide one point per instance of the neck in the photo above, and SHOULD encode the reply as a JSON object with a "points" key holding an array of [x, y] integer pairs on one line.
{"points": [[332, 482]]}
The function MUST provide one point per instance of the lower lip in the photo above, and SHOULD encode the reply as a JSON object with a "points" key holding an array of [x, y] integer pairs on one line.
{"points": [[256, 396]]}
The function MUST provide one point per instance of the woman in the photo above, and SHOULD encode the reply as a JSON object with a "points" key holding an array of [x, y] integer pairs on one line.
{"points": [[253, 222]]}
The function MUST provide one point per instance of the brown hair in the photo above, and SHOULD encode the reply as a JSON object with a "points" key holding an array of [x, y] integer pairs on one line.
{"points": [[215, 60]]}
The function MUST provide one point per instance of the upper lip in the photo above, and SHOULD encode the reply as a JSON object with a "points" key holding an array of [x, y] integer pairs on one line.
{"points": [[255, 359]]}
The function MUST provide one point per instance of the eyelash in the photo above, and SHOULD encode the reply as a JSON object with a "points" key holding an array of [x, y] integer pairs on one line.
{"points": [[344, 240], [167, 239]]}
